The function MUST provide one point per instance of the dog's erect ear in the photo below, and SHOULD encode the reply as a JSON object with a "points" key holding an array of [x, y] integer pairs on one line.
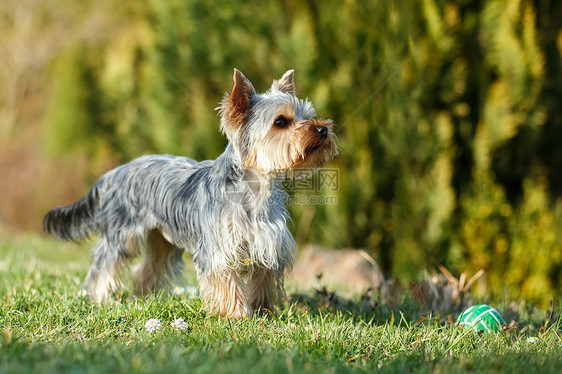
{"points": [[286, 83], [236, 104], [240, 94]]}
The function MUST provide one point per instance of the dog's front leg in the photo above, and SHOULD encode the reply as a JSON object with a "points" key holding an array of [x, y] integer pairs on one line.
{"points": [[265, 288], [226, 292]]}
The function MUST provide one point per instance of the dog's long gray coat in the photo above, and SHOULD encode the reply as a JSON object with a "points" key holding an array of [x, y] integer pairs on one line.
{"points": [[229, 213], [192, 203]]}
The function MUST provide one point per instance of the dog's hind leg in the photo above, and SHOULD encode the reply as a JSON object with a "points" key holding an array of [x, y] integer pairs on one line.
{"points": [[103, 279], [162, 265]]}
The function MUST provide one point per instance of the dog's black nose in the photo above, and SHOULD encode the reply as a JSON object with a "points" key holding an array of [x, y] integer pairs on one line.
{"points": [[322, 131]]}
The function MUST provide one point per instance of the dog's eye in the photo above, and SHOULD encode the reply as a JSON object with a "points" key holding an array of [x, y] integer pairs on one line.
{"points": [[281, 122]]}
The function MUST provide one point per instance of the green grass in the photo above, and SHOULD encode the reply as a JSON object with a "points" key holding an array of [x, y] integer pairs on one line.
{"points": [[45, 327]]}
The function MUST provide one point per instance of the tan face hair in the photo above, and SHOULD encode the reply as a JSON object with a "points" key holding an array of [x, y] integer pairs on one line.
{"points": [[297, 144], [275, 131]]}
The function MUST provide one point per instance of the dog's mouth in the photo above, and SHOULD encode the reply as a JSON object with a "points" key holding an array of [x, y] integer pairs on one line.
{"points": [[318, 152], [312, 148], [320, 144]]}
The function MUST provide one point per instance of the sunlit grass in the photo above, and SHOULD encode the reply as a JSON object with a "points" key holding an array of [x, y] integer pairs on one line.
{"points": [[46, 327]]}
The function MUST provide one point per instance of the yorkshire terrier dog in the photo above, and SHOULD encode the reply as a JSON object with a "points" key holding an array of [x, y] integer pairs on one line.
{"points": [[229, 213]]}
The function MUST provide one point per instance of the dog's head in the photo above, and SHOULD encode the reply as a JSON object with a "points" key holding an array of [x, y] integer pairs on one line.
{"points": [[275, 131]]}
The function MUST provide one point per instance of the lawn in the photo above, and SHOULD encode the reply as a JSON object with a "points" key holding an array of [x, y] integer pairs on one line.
{"points": [[45, 327]]}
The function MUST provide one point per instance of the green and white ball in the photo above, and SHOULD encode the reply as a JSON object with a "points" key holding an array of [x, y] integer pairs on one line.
{"points": [[481, 317]]}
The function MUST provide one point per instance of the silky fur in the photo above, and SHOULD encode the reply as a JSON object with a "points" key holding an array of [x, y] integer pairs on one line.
{"points": [[229, 213]]}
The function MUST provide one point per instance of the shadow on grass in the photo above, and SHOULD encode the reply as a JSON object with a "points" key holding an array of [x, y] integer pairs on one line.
{"points": [[519, 316], [365, 307]]}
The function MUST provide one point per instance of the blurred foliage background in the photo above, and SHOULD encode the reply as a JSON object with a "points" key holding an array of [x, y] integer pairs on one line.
{"points": [[449, 116]]}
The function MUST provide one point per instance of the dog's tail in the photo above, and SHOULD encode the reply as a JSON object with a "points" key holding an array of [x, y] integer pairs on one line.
{"points": [[74, 221]]}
